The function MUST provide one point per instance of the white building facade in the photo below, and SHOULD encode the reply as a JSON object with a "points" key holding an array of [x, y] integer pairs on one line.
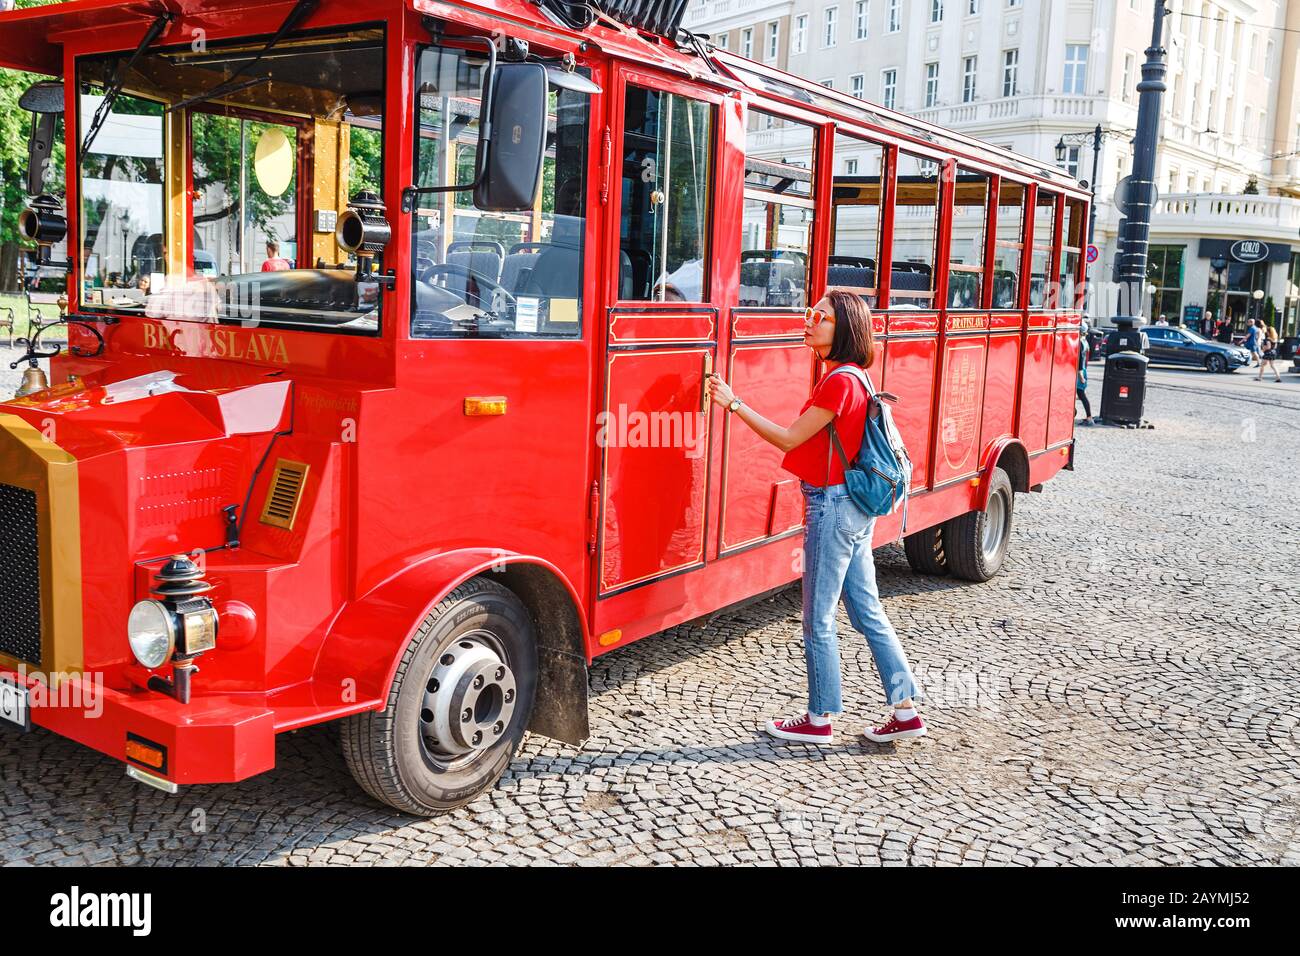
{"points": [[1027, 74]]}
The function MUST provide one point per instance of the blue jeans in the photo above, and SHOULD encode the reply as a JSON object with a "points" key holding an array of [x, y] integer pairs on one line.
{"points": [[838, 560]]}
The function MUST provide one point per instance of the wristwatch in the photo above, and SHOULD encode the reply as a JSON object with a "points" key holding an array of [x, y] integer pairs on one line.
{"points": [[735, 405]]}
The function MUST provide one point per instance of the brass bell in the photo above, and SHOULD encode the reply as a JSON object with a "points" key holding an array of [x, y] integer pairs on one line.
{"points": [[34, 380]]}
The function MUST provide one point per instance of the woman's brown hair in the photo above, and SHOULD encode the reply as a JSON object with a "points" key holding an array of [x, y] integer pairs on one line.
{"points": [[853, 340]]}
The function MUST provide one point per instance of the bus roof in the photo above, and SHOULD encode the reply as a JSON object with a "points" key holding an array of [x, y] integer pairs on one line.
{"points": [[31, 40]]}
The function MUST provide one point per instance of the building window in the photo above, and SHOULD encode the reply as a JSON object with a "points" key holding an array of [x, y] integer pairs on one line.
{"points": [[850, 167], [829, 84], [720, 41], [800, 33], [893, 17], [747, 43], [1076, 69], [936, 11], [1013, 3], [1291, 311], [931, 85], [831, 26], [1010, 71], [857, 84], [968, 80], [972, 8], [861, 11], [1126, 87], [888, 88], [773, 39]]}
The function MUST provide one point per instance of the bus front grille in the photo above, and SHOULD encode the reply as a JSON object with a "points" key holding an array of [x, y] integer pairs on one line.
{"points": [[20, 576]]}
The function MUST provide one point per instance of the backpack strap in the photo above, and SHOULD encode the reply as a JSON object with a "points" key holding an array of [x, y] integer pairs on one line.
{"points": [[830, 426]]}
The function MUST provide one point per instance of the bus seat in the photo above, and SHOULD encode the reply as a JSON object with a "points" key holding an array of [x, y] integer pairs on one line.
{"points": [[519, 263], [850, 277], [479, 256]]}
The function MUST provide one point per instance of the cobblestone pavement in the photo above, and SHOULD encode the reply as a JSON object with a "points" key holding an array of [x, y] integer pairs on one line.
{"points": [[1125, 692]]}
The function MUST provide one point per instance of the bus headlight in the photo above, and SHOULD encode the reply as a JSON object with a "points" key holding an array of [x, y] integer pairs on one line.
{"points": [[151, 631]]}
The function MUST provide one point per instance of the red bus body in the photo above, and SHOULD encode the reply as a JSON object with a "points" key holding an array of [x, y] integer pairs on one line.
{"points": [[604, 545]]}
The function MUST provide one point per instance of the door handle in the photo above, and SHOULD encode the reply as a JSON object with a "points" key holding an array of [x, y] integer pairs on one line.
{"points": [[704, 382]]}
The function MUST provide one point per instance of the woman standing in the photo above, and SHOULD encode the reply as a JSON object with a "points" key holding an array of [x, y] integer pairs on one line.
{"points": [[837, 557], [1268, 354]]}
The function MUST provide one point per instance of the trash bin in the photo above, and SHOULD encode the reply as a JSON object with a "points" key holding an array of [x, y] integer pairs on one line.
{"points": [[1123, 387]]}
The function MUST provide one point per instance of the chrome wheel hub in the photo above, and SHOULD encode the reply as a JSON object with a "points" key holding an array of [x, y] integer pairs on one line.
{"points": [[994, 525], [468, 699]]}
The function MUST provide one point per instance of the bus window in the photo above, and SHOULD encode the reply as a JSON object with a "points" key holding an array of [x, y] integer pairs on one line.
{"points": [[664, 222], [123, 229], [243, 166], [1008, 246], [1072, 249], [970, 213], [855, 229], [916, 223], [776, 230], [494, 274], [260, 168], [1041, 260]]}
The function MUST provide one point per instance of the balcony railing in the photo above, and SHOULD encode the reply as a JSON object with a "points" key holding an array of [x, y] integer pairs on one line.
{"points": [[1267, 217], [1046, 106]]}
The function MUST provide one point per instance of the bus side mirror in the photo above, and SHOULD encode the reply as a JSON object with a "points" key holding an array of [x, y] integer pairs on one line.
{"points": [[512, 141], [44, 100]]}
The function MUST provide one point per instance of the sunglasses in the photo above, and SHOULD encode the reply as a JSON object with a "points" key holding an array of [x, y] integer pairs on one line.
{"points": [[816, 316]]}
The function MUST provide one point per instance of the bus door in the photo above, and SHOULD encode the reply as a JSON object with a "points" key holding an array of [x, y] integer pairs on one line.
{"points": [[652, 434]]}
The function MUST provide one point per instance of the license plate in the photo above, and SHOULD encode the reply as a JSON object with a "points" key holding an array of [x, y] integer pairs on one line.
{"points": [[15, 708]]}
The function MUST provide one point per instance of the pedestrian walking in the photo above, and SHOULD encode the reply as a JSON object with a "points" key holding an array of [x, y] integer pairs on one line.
{"points": [[1081, 381], [1252, 343], [837, 556], [1268, 354]]}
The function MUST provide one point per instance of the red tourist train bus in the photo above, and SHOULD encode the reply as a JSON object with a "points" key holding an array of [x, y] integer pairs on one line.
{"points": [[388, 327]]}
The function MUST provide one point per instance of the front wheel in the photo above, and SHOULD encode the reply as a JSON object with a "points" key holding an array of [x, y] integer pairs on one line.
{"points": [[1216, 364], [976, 542], [458, 707]]}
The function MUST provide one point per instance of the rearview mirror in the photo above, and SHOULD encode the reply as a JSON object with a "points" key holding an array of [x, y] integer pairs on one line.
{"points": [[45, 101], [512, 142]]}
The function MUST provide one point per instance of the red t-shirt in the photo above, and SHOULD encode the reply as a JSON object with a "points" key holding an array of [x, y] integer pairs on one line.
{"points": [[844, 395]]}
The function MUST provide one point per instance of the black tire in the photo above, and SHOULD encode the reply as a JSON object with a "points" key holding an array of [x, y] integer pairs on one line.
{"points": [[924, 551], [1216, 363], [972, 553], [388, 752]]}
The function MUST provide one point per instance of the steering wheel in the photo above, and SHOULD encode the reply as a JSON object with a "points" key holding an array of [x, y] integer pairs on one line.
{"points": [[426, 256], [492, 296]]}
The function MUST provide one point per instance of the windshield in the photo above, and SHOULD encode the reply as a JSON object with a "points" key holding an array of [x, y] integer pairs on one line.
{"points": [[212, 191], [475, 273], [1193, 336]]}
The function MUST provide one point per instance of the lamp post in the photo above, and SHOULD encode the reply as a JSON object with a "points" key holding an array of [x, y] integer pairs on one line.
{"points": [[1062, 150], [1258, 296]]}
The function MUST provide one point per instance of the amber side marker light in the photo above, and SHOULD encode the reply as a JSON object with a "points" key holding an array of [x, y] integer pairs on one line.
{"points": [[610, 637], [476, 405], [974, 482], [146, 752]]}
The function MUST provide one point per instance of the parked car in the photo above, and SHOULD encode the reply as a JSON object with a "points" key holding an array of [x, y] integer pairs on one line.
{"points": [[1172, 345]]}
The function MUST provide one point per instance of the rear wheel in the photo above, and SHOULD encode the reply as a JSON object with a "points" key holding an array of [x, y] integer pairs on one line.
{"points": [[975, 543], [458, 707], [924, 551], [1216, 363]]}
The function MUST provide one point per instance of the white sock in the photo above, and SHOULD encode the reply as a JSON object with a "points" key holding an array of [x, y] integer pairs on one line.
{"points": [[818, 720], [904, 714]]}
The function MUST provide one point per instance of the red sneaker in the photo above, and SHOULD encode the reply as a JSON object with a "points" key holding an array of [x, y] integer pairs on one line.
{"points": [[801, 729], [896, 729]]}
